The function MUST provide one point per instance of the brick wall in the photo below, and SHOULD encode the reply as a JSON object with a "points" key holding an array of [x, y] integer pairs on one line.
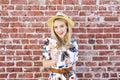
{"points": [[23, 28]]}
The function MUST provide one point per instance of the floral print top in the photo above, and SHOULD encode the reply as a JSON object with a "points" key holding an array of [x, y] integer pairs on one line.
{"points": [[65, 58]]}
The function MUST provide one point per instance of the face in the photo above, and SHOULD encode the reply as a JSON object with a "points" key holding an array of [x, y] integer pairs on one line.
{"points": [[60, 28]]}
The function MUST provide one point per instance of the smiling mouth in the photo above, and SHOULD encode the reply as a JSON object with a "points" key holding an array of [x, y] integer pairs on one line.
{"points": [[60, 33]]}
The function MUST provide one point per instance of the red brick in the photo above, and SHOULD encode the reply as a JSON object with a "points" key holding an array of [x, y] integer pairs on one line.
{"points": [[17, 24], [4, 13], [117, 52], [53, 1], [28, 75], [23, 52], [31, 69], [105, 75], [82, 13], [103, 35], [4, 1], [97, 75], [85, 47], [45, 74], [104, 2], [117, 64], [9, 30], [27, 58], [2, 69], [60, 7], [89, 2], [18, 1], [82, 30], [14, 47], [38, 75], [37, 63], [97, 30], [2, 58], [18, 13], [114, 58], [36, 58], [98, 69], [115, 47], [16, 58], [79, 19], [32, 47], [79, 64], [69, 8], [104, 13], [79, 74], [4, 24], [36, 2], [10, 19], [19, 7], [14, 69], [24, 64], [106, 53], [100, 47], [116, 41], [117, 35], [3, 75], [51, 7], [70, 2], [111, 30], [111, 18], [113, 74], [105, 64], [102, 8], [90, 64], [77, 7], [25, 41], [37, 52], [7, 7], [100, 58], [88, 75], [35, 13], [12, 75], [86, 35], [90, 8]]}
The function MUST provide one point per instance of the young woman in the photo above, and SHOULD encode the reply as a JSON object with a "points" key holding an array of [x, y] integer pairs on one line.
{"points": [[60, 51]]}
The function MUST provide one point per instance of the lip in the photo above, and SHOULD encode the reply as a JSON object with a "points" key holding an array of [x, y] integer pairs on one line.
{"points": [[60, 33]]}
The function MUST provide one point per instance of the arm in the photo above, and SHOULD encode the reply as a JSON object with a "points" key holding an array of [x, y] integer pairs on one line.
{"points": [[48, 63], [47, 60]]}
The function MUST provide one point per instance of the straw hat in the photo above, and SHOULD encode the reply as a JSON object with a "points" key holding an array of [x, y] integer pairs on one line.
{"points": [[62, 16]]}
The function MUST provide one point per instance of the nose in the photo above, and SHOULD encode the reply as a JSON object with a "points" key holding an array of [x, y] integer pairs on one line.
{"points": [[59, 29]]}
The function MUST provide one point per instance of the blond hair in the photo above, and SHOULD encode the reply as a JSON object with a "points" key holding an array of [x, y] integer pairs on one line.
{"points": [[67, 37]]}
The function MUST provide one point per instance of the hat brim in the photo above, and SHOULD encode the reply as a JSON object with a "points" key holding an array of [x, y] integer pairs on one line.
{"points": [[50, 21]]}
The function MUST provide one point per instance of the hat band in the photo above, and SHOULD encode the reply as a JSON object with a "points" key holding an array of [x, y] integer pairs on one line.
{"points": [[62, 16]]}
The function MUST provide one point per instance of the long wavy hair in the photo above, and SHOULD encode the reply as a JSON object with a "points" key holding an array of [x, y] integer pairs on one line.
{"points": [[67, 36]]}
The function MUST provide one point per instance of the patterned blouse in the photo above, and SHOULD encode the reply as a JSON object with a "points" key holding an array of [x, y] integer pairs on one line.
{"points": [[65, 58]]}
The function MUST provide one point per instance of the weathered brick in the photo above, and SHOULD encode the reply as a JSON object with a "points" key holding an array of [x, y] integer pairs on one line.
{"points": [[111, 18], [88, 75], [70, 2], [24, 64], [14, 69], [18, 1], [23, 28], [89, 2], [4, 1], [36, 2], [3, 75], [53, 1]]}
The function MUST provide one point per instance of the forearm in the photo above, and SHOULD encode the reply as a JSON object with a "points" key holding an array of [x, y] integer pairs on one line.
{"points": [[48, 63]]}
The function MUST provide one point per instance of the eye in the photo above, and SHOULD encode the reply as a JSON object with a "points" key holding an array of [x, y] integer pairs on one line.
{"points": [[62, 26]]}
